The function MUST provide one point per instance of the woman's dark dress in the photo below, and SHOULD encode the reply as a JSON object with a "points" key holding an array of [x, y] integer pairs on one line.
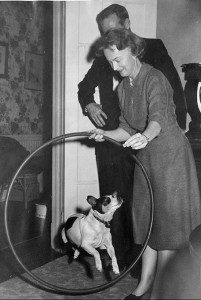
{"points": [[168, 160]]}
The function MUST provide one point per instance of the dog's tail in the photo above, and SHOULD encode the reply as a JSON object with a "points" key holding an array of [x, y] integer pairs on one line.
{"points": [[63, 235]]}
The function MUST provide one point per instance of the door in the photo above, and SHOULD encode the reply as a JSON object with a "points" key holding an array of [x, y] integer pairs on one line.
{"points": [[79, 173]]}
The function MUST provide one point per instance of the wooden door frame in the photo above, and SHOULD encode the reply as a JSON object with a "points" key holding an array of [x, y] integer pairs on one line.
{"points": [[58, 125]]}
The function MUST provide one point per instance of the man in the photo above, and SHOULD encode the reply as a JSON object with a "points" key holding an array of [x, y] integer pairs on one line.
{"points": [[115, 166]]}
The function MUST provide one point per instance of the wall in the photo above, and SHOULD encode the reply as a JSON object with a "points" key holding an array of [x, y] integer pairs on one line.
{"points": [[179, 26], [22, 28]]}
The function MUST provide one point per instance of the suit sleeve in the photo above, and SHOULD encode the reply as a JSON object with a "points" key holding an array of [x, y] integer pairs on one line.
{"points": [[163, 62], [86, 88]]}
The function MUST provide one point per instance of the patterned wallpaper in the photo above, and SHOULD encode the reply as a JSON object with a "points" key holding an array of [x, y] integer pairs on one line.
{"points": [[22, 28]]}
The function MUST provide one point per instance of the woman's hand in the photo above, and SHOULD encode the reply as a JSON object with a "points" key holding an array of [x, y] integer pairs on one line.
{"points": [[97, 135], [137, 141]]}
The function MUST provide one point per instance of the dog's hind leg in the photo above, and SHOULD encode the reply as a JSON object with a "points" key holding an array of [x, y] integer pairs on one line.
{"points": [[76, 254], [63, 235]]}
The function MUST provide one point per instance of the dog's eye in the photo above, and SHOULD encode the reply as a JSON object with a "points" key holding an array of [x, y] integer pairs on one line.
{"points": [[106, 201]]}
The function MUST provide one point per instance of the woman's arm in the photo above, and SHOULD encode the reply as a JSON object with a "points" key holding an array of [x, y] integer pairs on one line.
{"points": [[153, 129], [119, 134]]}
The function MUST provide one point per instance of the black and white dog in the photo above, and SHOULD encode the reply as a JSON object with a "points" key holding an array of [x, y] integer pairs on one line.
{"points": [[93, 230]]}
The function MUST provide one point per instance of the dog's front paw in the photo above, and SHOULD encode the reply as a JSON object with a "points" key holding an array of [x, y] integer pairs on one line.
{"points": [[76, 254], [99, 266], [115, 269]]}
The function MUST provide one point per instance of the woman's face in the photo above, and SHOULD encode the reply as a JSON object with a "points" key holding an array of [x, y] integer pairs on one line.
{"points": [[121, 61]]}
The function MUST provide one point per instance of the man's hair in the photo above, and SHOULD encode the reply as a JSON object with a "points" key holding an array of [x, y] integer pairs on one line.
{"points": [[119, 10], [122, 38]]}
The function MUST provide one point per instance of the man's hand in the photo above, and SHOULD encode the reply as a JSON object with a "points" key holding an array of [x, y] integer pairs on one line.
{"points": [[96, 114]]}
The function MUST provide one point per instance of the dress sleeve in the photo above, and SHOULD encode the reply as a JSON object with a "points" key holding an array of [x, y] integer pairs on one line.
{"points": [[158, 57], [166, 66], [124, 125], [159, 98]]}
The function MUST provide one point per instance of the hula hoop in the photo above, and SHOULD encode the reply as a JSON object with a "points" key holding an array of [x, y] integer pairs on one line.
{"points": [[54, 288]]}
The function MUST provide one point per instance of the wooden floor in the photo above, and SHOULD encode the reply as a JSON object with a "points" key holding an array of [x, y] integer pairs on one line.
{"points": [[31, 237], [29, 234]]}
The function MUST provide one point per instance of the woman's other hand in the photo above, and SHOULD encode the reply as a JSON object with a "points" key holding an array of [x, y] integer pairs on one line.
{"points": [[137, 141], [97, 135]]}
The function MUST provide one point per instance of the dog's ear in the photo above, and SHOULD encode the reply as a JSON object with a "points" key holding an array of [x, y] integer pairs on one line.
{"points": [[91, 200], [115, 193], [119, 195]]}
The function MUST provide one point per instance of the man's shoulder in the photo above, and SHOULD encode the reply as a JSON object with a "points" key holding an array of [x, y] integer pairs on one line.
{"points": [[99, 60], [154, 51], [100, 63], [154, 43]]}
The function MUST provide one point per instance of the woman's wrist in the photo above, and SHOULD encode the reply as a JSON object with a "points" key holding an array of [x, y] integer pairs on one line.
{"points": [[147, 138]]}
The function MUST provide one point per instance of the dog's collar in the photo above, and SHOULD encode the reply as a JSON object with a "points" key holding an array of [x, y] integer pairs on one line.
{"points": [[107, 224]]}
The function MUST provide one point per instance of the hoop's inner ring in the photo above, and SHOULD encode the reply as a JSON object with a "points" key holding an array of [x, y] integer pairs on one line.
{"points": [[54, 288]]}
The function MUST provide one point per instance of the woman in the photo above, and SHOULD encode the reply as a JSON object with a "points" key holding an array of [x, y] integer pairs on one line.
{"points": [[148, 124]]}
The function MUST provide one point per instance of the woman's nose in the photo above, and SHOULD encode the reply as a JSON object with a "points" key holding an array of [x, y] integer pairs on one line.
{"points": [[114, 66]]}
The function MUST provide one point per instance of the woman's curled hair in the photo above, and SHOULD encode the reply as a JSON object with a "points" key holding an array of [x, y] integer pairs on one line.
{"points": [[121, 38]]}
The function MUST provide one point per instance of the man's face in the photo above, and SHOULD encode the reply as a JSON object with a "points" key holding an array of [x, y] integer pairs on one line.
{"points": [[111, 22]]}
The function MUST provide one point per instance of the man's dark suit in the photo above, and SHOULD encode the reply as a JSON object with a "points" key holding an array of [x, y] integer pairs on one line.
{"points": [[115, 167]]}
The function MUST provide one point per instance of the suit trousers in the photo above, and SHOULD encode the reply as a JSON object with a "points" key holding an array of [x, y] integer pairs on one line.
{"points": [[115, 171]]}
